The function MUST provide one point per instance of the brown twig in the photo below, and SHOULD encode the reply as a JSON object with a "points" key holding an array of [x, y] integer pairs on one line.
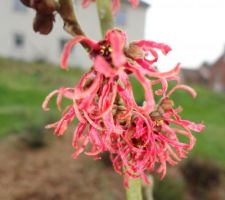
{"points": [[71, 24]]}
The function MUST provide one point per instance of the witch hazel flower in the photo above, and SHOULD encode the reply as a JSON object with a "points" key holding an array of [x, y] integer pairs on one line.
{"points": [[115, 4], [114, 60], [139, 139]]}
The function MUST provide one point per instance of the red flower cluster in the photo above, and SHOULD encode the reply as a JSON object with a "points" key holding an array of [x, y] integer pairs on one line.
{"points": [[140, 139], [115, 4]]}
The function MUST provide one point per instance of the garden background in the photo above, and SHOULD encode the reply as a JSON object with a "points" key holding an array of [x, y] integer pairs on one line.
{"points": [[36, 165]]}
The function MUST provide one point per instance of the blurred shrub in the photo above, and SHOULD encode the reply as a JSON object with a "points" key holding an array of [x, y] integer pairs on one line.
{"points": [[34, 131], [204, 179], [34, 136], [172, 187]]}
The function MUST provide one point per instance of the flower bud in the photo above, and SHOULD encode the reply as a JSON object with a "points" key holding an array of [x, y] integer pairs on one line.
{"points": [[133, 51], [43, 23], [167, 104], [44, 7]]}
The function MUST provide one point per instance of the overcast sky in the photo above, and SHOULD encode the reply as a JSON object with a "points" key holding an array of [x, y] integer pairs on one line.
{"points": [[195, 29]]}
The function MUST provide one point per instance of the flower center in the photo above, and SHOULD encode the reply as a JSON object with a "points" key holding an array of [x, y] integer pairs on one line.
{"points": [[137, 142], [157, 118], [105, 50]]}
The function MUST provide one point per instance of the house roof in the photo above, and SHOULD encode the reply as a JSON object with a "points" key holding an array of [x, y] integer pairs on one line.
{"points": [[142, 3], [145, 3]]}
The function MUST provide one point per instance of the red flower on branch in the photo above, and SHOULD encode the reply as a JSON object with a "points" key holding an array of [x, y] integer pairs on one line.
{"points": [[140, 139]]}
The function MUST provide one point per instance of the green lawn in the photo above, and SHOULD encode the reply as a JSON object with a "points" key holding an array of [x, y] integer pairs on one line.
{"points": [[208, 107], [23, 86]]}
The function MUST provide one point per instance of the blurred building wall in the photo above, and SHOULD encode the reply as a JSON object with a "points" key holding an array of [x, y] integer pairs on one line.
{"points": [[18, 39], [217, 71]]}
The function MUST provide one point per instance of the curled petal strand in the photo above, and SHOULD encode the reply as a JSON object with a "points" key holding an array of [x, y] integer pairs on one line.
{"points": [[183, 87]]}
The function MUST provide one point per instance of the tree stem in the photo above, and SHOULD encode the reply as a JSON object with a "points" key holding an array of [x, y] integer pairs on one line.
{"points": [[105, 15], [71, 24], [134, 192], [148, 189]]}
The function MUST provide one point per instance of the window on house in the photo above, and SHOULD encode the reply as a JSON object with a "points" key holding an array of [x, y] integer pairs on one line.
{"points": [[19, 40], [62, 43], [18, 6], [121, 18]]}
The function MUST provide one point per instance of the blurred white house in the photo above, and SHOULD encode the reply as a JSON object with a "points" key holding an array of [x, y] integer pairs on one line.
{"points": [[18, 40]]}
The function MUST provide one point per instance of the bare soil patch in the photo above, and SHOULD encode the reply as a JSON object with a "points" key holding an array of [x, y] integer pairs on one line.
{"points": [[50, 173]]}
